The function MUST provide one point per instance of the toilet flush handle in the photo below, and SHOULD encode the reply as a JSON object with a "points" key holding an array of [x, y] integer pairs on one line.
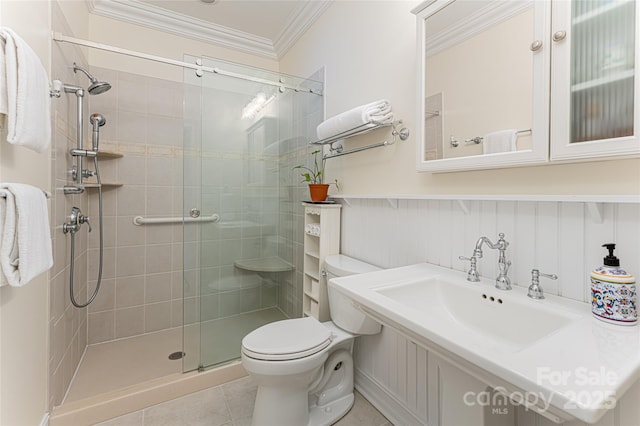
{"points": [[324, 274]]}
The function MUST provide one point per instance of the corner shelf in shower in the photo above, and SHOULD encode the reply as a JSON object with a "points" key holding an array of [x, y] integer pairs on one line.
{"points": [[104, 185], [107, 155], [267, 264]]}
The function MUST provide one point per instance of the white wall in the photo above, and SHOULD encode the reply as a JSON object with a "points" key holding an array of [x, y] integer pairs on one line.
{"points": [[369, 50], [24, 311]]}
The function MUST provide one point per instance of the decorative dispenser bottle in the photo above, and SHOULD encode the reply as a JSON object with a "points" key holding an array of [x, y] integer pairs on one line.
{"points": [[613, 292]]}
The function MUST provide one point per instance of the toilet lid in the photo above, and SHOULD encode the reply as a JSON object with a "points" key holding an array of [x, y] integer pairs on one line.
{"points": [[286, 340]]}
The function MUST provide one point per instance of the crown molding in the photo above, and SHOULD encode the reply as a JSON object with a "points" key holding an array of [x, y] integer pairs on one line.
{"points": [[298, 24], [144, 14]]}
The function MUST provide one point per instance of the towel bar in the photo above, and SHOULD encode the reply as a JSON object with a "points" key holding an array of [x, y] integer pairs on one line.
{"points": [[478, 139], [47, 194]]}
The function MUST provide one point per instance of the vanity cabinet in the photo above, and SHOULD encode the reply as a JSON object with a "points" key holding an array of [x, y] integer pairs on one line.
{"points": [[571, 93], [321, 239]]}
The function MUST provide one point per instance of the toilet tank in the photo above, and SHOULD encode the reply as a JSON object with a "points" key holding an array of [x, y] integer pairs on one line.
{"points": [[343, 314]]}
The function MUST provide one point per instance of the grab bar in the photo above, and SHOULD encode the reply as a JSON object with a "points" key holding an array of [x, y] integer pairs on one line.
{"points": [[139, 220]]}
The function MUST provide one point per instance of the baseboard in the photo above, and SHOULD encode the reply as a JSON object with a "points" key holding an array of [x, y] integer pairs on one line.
{"points": [[384, 401]]}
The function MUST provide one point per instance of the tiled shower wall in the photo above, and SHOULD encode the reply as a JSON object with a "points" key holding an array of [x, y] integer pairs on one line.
{"points": [[141, 287], [557, 237], [67, 324]]}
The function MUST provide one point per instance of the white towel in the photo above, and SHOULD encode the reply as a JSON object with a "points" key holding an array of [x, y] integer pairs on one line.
{"points": [[3, 84], [500, 141], [25, 244], [379, 111], [26, 90]]}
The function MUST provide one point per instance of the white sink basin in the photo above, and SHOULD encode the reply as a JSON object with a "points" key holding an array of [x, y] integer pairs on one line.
{"points": [[485, 312], [505, 336]]}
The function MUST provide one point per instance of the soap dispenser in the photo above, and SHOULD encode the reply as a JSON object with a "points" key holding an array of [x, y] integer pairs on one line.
{"points": [[613, 292]]}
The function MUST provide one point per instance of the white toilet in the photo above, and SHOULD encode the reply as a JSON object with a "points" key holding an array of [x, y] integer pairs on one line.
{"points": [[304, 368]]}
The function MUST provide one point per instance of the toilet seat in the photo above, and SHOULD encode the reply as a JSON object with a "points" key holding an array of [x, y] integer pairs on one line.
{"points": [[287, 340]]}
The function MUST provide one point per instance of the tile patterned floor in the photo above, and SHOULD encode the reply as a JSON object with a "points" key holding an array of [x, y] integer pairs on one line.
{"points": [[230, 404]]}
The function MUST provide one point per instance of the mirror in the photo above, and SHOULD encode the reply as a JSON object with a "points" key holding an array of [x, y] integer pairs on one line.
{"points": [[483, 84]]}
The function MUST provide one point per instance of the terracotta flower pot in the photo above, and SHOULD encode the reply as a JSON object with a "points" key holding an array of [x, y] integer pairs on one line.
{"points": [[318, 191]]}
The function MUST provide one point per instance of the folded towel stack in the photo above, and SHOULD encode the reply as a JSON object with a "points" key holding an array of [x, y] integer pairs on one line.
{"points": [[25, 243], [312, 229], [500, 141], [361, 116], [24, 93]]}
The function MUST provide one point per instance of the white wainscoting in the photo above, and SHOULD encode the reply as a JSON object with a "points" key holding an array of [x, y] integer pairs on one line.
{"points": [[554, 236]]}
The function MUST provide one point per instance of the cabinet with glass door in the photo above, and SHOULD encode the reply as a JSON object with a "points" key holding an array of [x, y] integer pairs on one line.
{"points": [[594, 96]]}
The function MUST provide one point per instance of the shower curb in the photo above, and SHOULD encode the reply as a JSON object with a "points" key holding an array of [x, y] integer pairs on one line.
{"points": [[113, 404]]}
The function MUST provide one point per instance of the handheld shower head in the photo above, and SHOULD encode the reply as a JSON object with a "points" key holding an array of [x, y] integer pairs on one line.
{"points": [[96, 86], [97, 121]]}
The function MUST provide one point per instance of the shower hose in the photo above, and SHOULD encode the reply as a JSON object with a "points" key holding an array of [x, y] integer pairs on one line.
{"points": [[73, 244]]}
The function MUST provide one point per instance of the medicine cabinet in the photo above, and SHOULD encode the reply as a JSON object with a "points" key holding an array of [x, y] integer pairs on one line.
{"points": [[562, 88]]}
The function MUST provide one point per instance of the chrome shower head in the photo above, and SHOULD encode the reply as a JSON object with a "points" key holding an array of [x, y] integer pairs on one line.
{"points": [[99, 87], [96, 86]]}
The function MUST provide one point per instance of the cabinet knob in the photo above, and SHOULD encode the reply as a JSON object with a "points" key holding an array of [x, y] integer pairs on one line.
{"points": [[536, 45], [559, 35]]}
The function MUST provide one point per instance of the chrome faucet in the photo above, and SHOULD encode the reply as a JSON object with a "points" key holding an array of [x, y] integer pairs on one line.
{"points": [[502, 280]]}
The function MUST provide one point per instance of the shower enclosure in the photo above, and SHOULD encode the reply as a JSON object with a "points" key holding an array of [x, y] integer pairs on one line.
{"points": [[220, 145], [242, 136]]}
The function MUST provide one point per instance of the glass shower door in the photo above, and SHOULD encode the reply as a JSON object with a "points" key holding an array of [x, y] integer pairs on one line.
{"points": [[239, 272]]}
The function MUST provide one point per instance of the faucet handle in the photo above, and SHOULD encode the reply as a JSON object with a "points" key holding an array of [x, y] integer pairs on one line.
{"points": [[472, 274], [84, 219], [535, 291]]}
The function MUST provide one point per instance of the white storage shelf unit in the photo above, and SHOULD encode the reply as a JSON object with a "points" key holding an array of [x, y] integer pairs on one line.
{"points": [[321, 239]]}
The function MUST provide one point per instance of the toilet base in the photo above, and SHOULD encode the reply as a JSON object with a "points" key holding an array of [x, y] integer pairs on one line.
{"points": [[330, 413]]}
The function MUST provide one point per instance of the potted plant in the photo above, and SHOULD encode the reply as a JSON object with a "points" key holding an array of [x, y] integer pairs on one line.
{"points": [[314, 176]]}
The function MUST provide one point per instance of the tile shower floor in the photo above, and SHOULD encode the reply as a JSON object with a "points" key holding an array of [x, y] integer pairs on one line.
{"points": [[120, 363], [230, 404]]}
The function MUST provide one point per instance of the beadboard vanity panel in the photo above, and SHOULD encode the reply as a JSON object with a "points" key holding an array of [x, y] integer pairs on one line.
{"points": [[558, 237]]}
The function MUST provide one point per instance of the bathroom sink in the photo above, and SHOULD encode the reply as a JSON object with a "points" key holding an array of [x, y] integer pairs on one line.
{"points": [[527, 348], [486, 312]]}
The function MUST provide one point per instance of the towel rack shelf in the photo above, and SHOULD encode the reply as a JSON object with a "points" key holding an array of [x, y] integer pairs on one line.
{"points": [[359, 130], [372, 125]]}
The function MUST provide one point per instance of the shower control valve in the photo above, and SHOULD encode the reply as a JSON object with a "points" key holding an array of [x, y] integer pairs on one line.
{"points": [[76, 219], [88, 173]]}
